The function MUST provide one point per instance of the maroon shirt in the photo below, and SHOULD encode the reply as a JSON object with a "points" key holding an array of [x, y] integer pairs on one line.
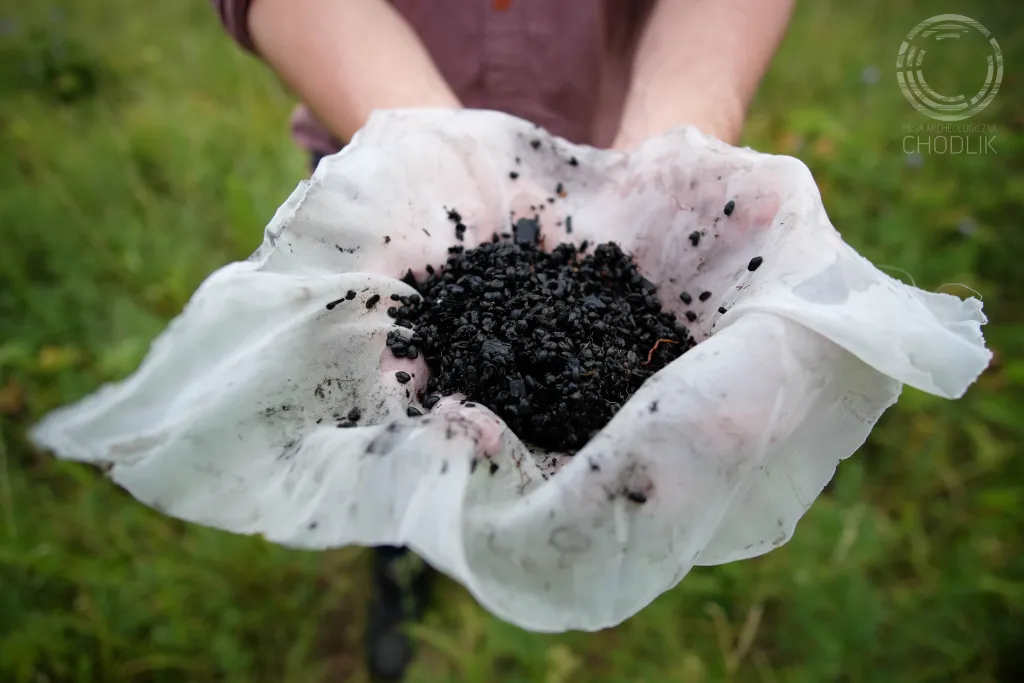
{"points": [[563, 64]]}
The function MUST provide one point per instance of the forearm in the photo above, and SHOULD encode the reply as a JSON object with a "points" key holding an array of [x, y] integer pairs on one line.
{"points": [[345, 58], [699, 62]]}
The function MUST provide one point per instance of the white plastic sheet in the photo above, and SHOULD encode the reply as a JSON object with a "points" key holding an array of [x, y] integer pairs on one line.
{"points": [[230, 420]]}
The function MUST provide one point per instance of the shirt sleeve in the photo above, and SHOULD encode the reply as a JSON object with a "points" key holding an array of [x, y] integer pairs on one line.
{"points": [[234, 16]]}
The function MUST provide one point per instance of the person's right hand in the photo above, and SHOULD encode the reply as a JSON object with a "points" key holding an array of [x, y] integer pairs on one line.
{"points": [[230, 421], [347, 59]]}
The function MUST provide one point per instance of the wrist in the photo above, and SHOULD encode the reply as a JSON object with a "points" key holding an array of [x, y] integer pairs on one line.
{"points": [[721, 117]]}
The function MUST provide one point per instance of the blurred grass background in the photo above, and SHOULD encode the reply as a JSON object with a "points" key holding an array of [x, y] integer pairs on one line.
{"points": [[140, 150]]}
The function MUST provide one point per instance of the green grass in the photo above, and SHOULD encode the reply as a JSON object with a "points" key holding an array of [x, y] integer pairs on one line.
{"points": [[140, 150]]}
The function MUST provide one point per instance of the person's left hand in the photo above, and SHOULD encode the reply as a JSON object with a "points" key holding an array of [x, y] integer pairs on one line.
{"points": [[232, 419]]}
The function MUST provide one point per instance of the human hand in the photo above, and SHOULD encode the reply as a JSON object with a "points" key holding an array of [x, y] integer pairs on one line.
{"points": [[699, 63], [232, 419]]}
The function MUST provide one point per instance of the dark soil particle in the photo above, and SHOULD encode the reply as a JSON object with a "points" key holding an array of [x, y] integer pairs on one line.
{"points": [[704, 296], [535, 144], [755, 263], [722, 309], [350, 295], [387, 239], [573, 162], [553, 342], [413, 411], [691, 316], [354, 414], [729, 206], [513, 175], [695, 238], [685, 298]]}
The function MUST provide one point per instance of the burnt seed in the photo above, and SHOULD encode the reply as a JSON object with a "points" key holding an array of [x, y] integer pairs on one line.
{"points": [[685, 298], [755, 263], [354, 414], [402, 377], [691, 316], [413, 411], [704, 296], [372, 301], [568, 225], [637, 496], [350, 295], [729, 206], [553, 342], [526, 231], [330, 306]]}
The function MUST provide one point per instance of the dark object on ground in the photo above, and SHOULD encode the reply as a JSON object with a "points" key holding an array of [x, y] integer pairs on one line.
{"points": [[401, 583], [553, 342]]}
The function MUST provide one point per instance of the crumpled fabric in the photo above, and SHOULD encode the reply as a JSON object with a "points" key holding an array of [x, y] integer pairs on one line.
{"points": [[230, 420]]}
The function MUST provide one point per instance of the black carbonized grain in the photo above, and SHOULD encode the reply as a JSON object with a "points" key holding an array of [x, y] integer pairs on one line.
{"points": [[553, 342]]}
